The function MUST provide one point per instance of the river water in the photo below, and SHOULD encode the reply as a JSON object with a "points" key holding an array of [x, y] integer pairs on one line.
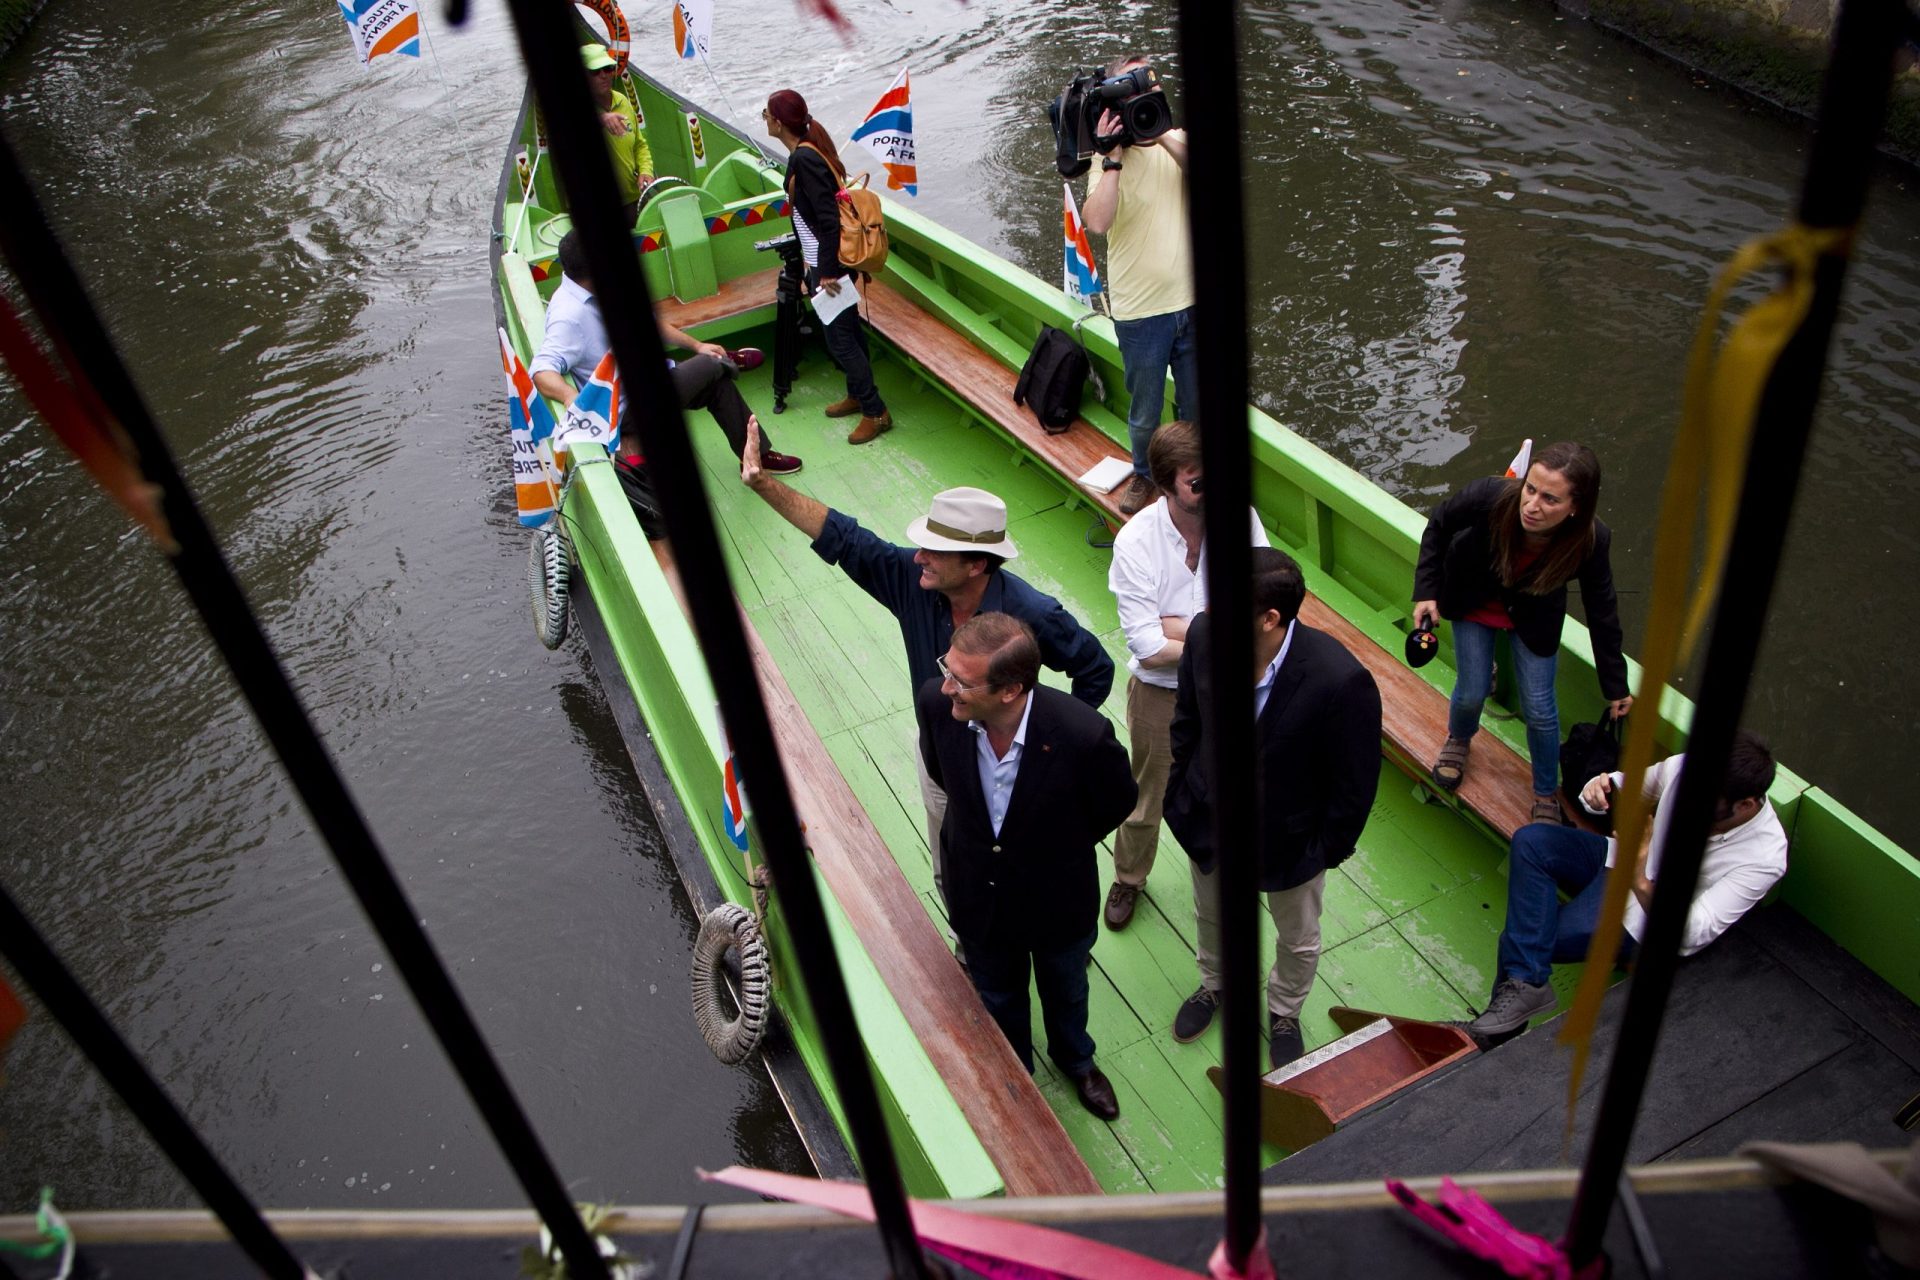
{"points": [[1473, 222]]}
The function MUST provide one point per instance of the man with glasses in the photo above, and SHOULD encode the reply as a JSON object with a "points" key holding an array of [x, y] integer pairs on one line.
{"points": [[1035, 780], [1158, 582], [950, 573], [626, 141]]}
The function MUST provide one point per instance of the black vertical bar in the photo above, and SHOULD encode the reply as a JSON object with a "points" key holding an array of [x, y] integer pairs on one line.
{"points": [[553, 61], [1210, 60], [77, 332], [70, 1005], [1853, 103]]}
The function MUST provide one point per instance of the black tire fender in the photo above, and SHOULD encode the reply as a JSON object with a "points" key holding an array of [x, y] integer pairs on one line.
{"points": [[731, 1035]]}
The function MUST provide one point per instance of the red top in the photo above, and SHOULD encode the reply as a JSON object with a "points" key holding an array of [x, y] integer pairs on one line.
{"points": [[1492, 612]]}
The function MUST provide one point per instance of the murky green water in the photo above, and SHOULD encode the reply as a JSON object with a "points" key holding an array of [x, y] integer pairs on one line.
{"points": [[1473, 222]]}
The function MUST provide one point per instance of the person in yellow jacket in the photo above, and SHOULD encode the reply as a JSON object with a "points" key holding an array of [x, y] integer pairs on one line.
{"points": [[626, 141]]}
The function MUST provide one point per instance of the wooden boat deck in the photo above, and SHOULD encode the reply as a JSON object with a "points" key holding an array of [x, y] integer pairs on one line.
{"points": [[1410, 924]]}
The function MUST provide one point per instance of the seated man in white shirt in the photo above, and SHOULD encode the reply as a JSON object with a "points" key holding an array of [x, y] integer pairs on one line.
{"points": [[574, 342], [1745, 857]]}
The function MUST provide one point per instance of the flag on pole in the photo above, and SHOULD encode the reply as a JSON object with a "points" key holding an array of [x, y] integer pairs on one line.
{"points": [[692, 27], [1083, 275], [733, 798], [594, 415], [888, 133], [382, 26], [1517, 469], [535, 475]]}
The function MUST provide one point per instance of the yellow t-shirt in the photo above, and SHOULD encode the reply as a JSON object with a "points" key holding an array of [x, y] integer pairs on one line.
{"points": [[1149, 252], [631, 155]]}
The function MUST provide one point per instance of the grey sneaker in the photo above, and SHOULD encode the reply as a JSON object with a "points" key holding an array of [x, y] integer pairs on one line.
{"points": [[1513, 1004], [1195, 1016]]}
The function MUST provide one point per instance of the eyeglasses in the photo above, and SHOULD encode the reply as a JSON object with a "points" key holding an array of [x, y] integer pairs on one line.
{"points": [[947, 677]]}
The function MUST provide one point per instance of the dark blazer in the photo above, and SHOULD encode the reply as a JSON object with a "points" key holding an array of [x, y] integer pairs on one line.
{"points": [[1036, 885], [814, 189], [1456, 569], [1318, 763]]}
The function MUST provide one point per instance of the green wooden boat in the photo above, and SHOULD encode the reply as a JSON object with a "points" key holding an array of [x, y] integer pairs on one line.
{"points": [[1410, 922]]}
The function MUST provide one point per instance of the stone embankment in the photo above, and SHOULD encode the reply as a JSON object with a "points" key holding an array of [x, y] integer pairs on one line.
{"points": [[1773, 49]]}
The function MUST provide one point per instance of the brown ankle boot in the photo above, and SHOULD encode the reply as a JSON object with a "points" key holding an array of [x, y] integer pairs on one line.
{"points": [[843, 408], [870, 428]]}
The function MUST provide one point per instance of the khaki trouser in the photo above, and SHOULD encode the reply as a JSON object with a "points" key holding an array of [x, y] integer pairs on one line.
{"points": [[1149, 717], [935, 800], [1296, 916]]}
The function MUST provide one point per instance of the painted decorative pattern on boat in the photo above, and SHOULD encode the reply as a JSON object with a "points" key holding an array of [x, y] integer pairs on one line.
{"points": [[751, 216]]}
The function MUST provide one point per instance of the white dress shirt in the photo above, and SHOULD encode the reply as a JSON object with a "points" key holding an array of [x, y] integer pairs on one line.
{"points": [[997, 773], [1150, 580], [1737, 870]]}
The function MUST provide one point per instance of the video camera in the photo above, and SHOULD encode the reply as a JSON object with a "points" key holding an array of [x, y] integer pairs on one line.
{"points": [[1136, 100]]}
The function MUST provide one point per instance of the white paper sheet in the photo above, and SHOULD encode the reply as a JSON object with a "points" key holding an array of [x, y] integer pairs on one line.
{"points": [[828, 306], [1107, 475]]}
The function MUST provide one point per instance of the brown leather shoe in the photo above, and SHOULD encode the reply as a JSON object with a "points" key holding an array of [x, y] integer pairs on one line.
{"points": [[1120, 900], [1096, 1094], [843, 408], [870, 428], [1140, 492]]}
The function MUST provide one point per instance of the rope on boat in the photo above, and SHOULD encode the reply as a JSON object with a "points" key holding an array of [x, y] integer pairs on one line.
{"points": [[732, 1036]]}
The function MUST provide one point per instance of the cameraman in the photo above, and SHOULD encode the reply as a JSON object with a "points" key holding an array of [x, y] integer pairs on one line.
{"points": [[1137, 198]]}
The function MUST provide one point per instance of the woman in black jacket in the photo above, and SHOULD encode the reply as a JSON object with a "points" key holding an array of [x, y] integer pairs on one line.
{"points": [[814, 178], [1497, 556]]}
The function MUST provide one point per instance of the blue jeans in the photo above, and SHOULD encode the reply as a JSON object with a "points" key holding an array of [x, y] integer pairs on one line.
{"points": [[1541, 931], [1148, 347], [1000, 976], [1532, 674]]}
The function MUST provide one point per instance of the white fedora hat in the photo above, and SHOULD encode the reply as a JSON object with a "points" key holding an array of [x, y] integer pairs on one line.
{"points": [[964, 519]]}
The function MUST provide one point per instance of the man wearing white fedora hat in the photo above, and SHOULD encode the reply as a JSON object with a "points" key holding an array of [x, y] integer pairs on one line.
{"points": [[950, 573]]}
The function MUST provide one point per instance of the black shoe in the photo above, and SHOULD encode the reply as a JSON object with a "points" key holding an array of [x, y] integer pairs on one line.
{"points": [[1513, 1005], [1195, 1016], [1284, 1042], [1096, 1094]]}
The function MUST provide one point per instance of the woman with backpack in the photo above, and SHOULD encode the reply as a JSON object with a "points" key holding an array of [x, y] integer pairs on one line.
{"points": [[1497, 556], [815, 177]]}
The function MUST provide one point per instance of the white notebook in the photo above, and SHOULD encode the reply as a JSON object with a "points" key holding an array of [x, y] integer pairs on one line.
{"points": [[1107, 475]]}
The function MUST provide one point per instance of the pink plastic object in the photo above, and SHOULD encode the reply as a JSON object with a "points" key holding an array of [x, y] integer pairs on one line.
{"points": [[1474, 1225], [998, 1248], [1259, 1262]]}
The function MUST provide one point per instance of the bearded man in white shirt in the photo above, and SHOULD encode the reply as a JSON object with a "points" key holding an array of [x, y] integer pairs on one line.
{"points": [[1158, 581], [1745, 857]]}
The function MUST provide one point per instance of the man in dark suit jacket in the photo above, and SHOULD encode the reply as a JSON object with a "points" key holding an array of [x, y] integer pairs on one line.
{"points": [[1034, 779], [1317, 730]]}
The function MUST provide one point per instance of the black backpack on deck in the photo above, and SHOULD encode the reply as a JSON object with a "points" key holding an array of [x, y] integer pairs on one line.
{"points": [[1052, 380]]}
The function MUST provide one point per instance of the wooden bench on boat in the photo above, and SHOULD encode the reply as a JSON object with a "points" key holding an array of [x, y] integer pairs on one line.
{"points": [[1499, 785]]}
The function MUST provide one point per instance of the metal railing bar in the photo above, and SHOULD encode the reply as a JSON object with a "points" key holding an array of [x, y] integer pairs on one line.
{"points": [[553, 63], [1209, 39], [1853, 104], [81, 340], [63, 996]]}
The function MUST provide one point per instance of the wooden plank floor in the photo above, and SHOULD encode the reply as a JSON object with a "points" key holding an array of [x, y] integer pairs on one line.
{"points": [[1410, 922]]}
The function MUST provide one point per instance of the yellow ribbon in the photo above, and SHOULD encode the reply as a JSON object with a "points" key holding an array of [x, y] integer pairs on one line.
{"points": [[1709, 460]]}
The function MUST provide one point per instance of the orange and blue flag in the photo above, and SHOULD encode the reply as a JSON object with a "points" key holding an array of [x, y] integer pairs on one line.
{"points": [[382, 26], [1082, 274], [535, 474], [888, 133], [692, 27], [733, 799], [594, 415]]}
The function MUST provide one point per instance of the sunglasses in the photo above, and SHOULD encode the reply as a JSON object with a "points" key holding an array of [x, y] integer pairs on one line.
{"points": [[602, 71], [947, 677]]}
